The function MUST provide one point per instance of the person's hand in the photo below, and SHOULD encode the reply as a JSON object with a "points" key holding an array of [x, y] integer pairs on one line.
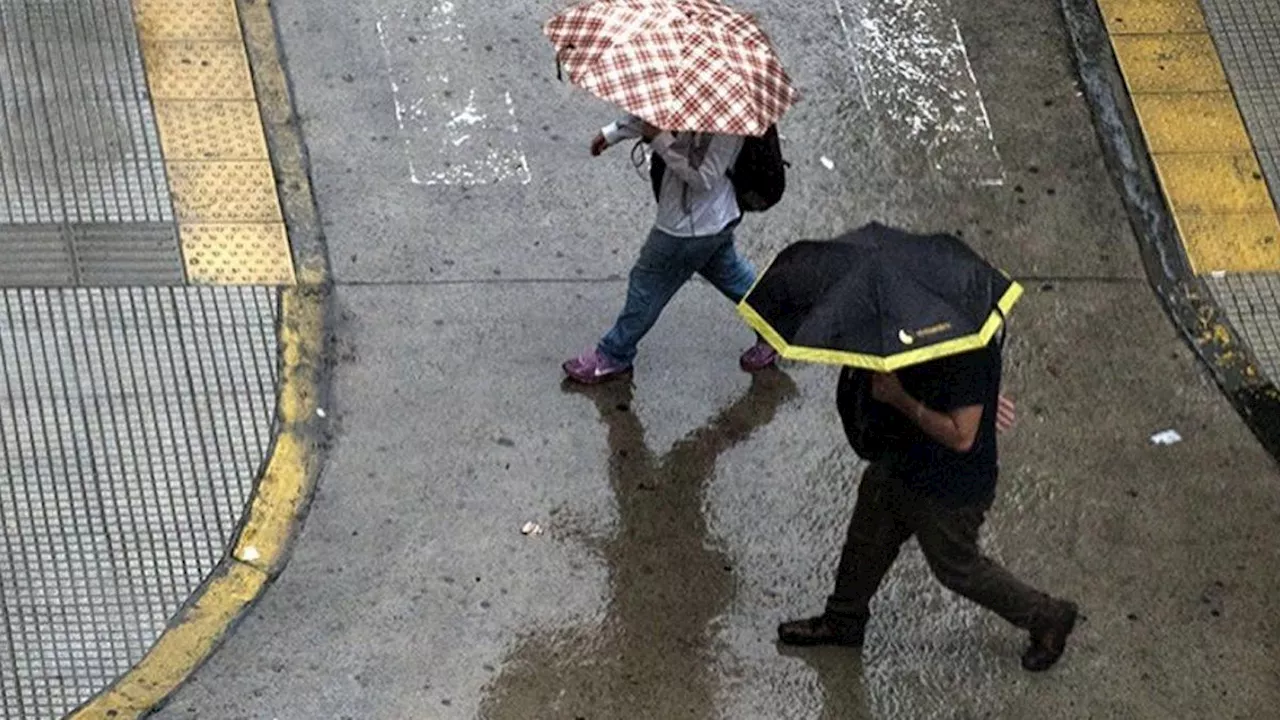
{"points": [[598, 144], [1006, 413], [887, 388]]}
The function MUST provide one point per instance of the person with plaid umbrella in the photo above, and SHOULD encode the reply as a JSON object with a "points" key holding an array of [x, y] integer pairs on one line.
{"points": [[696, 78], [693, 233]]}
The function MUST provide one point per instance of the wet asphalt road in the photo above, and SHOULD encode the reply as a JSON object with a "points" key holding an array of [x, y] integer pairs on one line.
{"points": [[687, 514]]}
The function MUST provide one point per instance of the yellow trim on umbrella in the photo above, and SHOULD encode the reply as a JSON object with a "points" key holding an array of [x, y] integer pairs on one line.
{"points": [[887, 363]]}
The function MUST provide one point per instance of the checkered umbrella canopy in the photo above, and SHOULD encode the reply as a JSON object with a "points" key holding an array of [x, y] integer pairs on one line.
{"points": [[680, 64]]}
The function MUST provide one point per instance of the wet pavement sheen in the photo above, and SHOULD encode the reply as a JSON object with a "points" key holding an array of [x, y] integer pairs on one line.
{"points": [[689, 513], [667, 583]]}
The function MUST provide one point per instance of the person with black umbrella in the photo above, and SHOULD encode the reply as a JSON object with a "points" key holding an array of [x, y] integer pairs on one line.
{"points": [[918, 323]]}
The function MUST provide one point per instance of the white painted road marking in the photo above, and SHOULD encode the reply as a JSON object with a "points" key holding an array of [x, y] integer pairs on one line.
{"points": [[453, 134], [912, 65], [853, 53]]}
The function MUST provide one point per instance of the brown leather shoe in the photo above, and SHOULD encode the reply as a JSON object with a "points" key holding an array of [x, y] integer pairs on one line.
{"points": [[1050, 640], [822, 630]]}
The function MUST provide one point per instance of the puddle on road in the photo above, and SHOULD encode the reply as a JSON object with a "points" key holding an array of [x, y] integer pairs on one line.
{"points": [[653, 654], [781, 508]]}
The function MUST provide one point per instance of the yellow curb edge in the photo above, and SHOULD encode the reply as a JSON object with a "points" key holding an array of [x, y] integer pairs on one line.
{"points": [[287, 481]]}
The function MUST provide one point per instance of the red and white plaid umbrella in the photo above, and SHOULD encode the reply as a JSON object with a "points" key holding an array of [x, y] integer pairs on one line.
{"points": [[679, 64]]}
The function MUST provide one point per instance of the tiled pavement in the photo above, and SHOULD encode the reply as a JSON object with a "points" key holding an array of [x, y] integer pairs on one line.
{"points": [[143, 256]]}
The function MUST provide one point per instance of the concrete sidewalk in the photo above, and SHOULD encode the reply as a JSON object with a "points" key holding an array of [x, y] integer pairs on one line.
{"points": [[687, 515]]}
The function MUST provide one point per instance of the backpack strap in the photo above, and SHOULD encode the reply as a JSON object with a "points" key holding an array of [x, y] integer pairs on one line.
{"points": [[657, 171], [698, 149]]}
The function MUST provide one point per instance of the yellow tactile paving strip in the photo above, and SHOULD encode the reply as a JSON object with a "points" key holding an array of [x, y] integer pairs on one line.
{"points": [[215, 151], [1196, 135]]}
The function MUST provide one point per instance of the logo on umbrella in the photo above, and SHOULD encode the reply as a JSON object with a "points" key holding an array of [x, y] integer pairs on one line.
{"points": [[908, 338]]}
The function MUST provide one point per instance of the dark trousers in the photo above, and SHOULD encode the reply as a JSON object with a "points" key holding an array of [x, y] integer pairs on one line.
{"points": [[887, 514]]}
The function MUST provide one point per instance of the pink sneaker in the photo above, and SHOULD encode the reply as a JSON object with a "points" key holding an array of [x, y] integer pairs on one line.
{"points": [[758, 357], [593, 367]]}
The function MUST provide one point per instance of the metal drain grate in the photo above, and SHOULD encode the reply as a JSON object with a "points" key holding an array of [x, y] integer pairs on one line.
{"points": [[1252, 304], [1269, 160], [100, 254], [133, 423]]}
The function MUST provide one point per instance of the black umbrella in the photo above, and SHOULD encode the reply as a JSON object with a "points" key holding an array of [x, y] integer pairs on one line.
{"points": [[879, 298]]}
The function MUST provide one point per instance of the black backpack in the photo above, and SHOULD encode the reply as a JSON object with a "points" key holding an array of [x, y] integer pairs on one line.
{"points": [[759, 175], [873, 429]]}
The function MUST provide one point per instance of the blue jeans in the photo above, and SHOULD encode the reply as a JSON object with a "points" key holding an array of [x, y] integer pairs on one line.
{"points": [[665, 264]]}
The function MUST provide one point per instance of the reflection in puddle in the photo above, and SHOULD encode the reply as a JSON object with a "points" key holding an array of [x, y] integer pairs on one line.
{"points": [[652, 656]]}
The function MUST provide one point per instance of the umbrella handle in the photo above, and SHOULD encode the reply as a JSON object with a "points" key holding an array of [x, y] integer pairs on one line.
{"points": [[1004, 326], [559, 70]]}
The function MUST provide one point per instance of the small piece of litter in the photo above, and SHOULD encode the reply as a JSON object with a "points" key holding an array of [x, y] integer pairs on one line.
{"points": [[531, 528], [1166, 437], [826, 163], [250, 554], [321, 412], [1218, 274]]}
